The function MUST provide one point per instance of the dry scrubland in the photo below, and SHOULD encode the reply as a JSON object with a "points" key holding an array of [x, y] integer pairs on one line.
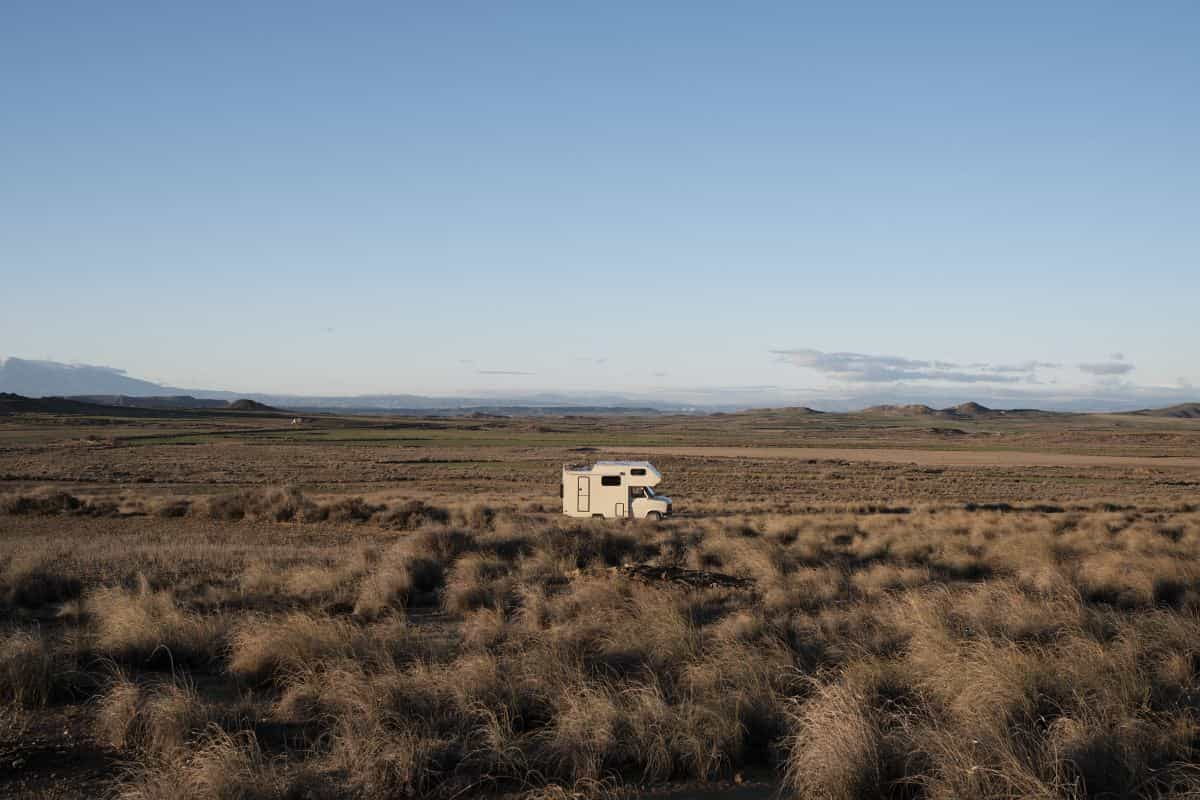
{"points": [[413, 620]]}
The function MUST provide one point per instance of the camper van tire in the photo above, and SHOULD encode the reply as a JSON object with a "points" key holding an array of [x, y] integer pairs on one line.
{"points": [[653, 516]]}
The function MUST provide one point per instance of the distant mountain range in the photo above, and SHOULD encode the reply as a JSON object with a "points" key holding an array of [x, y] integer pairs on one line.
{"points": [[960, 411], [111, 387], [180, 407], [51, 379], [184, 406], [1180, 411], [976, 411]]}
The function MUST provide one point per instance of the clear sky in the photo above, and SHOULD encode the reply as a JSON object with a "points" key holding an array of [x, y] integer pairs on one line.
{"points": [[342, 198]]}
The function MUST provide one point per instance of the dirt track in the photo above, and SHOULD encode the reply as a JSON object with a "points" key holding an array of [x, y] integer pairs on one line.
{"points": [[940, 458]]}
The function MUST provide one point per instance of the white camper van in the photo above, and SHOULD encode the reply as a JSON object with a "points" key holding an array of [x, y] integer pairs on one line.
{"points": [[613, 489]]}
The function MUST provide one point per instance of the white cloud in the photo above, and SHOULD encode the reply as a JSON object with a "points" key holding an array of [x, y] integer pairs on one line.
{"points": [[1107, 368], [864, 368]]}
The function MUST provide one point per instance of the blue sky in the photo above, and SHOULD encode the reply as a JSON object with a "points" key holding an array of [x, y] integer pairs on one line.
{"points": [[794, 199]]}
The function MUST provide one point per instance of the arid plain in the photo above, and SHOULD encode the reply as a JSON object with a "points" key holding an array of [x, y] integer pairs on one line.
{"points": [[943, 605]]}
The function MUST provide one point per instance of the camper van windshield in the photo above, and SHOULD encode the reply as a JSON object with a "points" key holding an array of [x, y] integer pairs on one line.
{"points": [[649, 492]]}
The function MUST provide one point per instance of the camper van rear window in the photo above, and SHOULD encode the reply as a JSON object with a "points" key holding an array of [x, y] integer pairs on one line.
{"points": [[610, 480], [637, 471]]}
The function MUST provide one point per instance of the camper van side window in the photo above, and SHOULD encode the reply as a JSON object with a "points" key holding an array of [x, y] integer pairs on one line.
{"points": [[637, 471], [610, 480]]}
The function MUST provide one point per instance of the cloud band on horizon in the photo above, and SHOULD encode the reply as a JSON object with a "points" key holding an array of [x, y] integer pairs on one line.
{"points": [[1107, 368], [867, 368]]}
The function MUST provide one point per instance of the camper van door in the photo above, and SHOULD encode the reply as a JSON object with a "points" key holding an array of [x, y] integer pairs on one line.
{"points": [[584, 495]]}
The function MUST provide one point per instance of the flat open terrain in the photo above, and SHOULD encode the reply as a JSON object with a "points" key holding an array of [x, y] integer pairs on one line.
{"points": [[930, 458], [231, 605]]}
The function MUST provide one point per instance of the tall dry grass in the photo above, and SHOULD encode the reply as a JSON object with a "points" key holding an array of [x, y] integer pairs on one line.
{"points": [[939, 653]]}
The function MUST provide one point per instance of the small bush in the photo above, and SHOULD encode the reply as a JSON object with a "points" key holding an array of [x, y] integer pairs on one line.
{"points": [[37, 587], [445, 544], [172, 509], [50, 503], [277, 504], [31, 673], [481, 517], [161, 722], [116, 712], [147, 627], [220, 765], [268, 650], [413, 515], [228, 507], [477, 581], [351, 509], [840, 747]]}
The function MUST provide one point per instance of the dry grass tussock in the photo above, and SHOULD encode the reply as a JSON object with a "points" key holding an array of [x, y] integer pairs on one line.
{"points": [[51, 501], [33, 673], [936, 654], [147, 627], [274, 504], [290, 504], [34, 580], [219, 765]]}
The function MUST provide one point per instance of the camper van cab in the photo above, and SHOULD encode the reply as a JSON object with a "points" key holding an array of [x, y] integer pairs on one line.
{"points": [[614, 490]]}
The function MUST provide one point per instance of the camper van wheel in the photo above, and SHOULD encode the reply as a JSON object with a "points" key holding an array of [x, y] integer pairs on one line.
{"points": [[653, 516]]}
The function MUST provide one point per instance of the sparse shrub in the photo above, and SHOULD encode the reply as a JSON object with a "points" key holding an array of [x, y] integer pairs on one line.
{"points": [[427, 575], [147, 628], [52, 502], [161, 721], [282, 505], [479, 517], [507, 542], [380, 763], [477, 581], [615, 548], [268, 650], [49, 503], [445, 544], [400, 581], [221, 765], [484, 628], [879, 579], [116, 711], [172, 509], [1113, 578], [228, 507], [285, 504], [414, 514], [37, 586], [390, 586], [351, 509], [590, 545], [313, 581], [848, 737], [31, 673], [582, 738]]}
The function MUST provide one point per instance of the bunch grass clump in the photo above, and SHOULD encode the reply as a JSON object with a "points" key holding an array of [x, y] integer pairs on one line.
{"points": [[935, 653]]}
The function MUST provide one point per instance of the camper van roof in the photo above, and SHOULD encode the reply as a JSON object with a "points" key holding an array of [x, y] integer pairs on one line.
{"points": [[607, 465], [637, 473]]}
